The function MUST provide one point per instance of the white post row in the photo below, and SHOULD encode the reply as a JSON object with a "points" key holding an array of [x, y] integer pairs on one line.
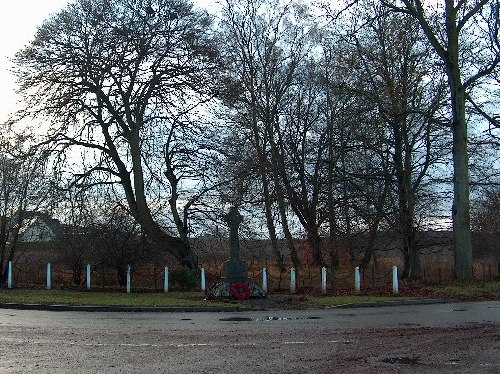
{"points": [[165, 280], [264, 280], [89, 274], [9, 275], [323, 279], [128, 279], [357, 280], [49, 276], [293, 281], [203, 280], [395, 284]]}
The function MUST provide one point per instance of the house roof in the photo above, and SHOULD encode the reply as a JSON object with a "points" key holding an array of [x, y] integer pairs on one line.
{"points": [[39, 227]]}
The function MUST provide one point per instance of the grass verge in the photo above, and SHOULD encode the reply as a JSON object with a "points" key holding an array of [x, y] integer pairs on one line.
{"points": [[329, 301], [58, 297], [468, 291], [458, 291], [471, 291]]}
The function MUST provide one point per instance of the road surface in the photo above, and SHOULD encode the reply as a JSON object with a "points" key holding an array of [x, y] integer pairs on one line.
{"points": [[439, 338]]}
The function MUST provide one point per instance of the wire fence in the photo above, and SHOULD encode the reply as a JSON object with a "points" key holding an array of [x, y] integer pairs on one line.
{"points": [[152, 278]]}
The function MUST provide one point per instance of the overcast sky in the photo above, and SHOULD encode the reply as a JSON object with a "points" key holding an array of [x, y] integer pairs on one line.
{"points": [[18, 22]]}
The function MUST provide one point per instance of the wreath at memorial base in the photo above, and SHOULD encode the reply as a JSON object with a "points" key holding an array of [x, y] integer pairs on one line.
{"points": [[241, 291], [209, 295]]}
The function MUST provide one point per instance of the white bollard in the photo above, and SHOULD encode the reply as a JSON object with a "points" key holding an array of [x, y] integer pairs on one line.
{"points": [[357, 280], [128, 279], [165, 280], [264, 280], [9, 275], [395, 284], [89, 274], [323, 279], [293, 281], [203, 280], [49, 276]]}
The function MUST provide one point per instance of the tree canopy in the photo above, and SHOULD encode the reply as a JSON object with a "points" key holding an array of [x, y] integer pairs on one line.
{"points": [[114, 77], [317, 124]]}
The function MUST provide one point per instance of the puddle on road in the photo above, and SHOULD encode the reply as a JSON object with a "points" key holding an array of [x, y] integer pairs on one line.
{"points": [[236, 319], [286, 318], [409, 324], [401, 360], [266, 319]]}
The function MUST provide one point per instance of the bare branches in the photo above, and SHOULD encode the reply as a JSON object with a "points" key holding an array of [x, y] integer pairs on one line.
{"points": [[110, 80], [472, 12]]}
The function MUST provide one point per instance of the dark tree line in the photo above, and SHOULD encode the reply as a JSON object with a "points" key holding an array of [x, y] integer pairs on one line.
{"points": [[322, 126]]}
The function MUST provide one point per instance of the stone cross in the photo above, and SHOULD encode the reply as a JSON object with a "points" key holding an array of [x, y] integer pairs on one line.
{"points": [[233, 220], [235, 268]]}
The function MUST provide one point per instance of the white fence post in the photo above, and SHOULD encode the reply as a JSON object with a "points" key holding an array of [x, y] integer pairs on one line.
{"points": [[89, 274], [49, 276], [203, 280], [357, 280], [323, 279], [395, 284], [293, 281], [165, 280], [264, 280], [128, 279], [9, 275]]}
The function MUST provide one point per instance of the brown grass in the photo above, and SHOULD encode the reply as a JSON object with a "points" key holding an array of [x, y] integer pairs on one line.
{"points": [[437, 268]]}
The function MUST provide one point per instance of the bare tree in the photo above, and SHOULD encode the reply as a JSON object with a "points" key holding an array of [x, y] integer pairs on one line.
{"points": [[264, 44], [407, 94], [113, 77], [78, 238], [23, 187], [485, 216], [119, 242], [464, 35], [303, 139]]}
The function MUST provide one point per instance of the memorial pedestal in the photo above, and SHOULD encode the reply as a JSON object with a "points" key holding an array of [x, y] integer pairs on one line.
{"points": [[235, 270]]}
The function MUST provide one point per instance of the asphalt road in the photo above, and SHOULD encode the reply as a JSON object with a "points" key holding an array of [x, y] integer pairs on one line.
{"points": [[455, 337]]}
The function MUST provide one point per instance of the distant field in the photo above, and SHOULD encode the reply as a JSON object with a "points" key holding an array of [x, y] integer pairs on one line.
{"points": [[436, 258]]}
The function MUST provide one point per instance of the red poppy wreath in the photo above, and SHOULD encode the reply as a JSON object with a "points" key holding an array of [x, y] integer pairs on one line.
{"points": [[241, 291]]}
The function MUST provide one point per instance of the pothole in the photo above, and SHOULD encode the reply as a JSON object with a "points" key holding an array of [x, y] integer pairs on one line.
{"points": [[267, 319], [347, 314], [271, 318], [409, 324], [235, 319], [401, 360]]}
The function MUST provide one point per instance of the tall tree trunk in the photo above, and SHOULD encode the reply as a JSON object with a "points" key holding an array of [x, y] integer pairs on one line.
{"points": [[314, 240], [449, 53], [334, 254], [140, 210], [284, 221], [461, 189], [332, 223], [412, 267], [406, 200], [461, 192], [270, 223], [370, 246], [182, 228]]}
